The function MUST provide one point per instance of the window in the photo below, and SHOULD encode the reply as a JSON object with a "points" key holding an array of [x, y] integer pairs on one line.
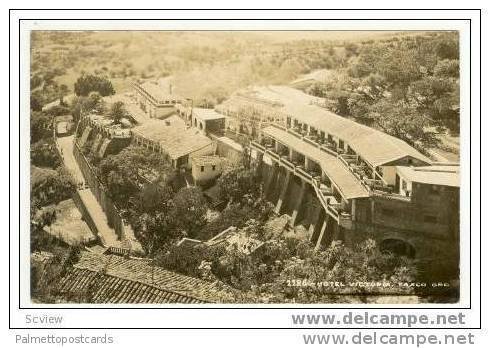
{"points": [[430, 219], [214, 167], [341, 144], [404, 185], [202, 168]]}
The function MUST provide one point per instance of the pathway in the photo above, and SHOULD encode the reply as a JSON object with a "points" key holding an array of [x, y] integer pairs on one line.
{"points": [[106, 234], [66, 146]]}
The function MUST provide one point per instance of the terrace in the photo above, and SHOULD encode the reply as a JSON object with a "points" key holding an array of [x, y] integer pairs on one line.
{"points": [[306, 163], [371, 179], [337, 176]]}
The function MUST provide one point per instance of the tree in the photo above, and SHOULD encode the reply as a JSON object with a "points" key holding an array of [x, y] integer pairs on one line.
{"points": [[447, 68], [363, 269], [92, 83], [154, 231], [93, 103], [186, 259], [43, 154], [447, 46], [403, 121], [126, 173], [41, 126], [189, 210], [118, 111], [338, 90], [46, 278], [50, 186], [438, 98], [63, 90], [148, 214], [37, 101], [58, 110], [36, 81], [404, 87], [238, 183]]}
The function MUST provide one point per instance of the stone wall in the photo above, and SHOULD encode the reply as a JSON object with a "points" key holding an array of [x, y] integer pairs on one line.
{"points": [[113, 216]]}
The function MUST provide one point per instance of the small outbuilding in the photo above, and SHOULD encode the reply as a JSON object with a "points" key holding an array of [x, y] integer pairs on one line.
{"points": [[206, 169]]}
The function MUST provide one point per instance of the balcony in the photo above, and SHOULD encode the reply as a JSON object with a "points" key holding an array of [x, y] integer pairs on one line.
{"points": [[349, 159], [273, 154], [295, 133], [311, 141], [329, 148], [257, 145], [285, 161], [301, 171]]}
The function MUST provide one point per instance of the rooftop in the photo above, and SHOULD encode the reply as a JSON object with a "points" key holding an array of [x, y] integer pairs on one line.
{"points": [[207, 114], [160, 90], [348, 185], [115, 279], [105, 122], [131, 106], [206, 160], [281, 95], [175, 138], [374, 146], [231, 143], [444, 175]]}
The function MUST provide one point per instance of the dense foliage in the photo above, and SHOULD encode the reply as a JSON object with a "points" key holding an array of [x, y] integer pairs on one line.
{"points": [[173, 216], [363, 269], [124, 174], [93, 83], [41, 126], [117, 112], [44, 89], [44, 154], [93, 103], [237, 183], [286, 270], [46, 277], [145, 186], [50, 186], [405, 86]]}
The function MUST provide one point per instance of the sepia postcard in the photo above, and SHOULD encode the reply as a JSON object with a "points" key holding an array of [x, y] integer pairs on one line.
{"points": [[251, 167]]}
